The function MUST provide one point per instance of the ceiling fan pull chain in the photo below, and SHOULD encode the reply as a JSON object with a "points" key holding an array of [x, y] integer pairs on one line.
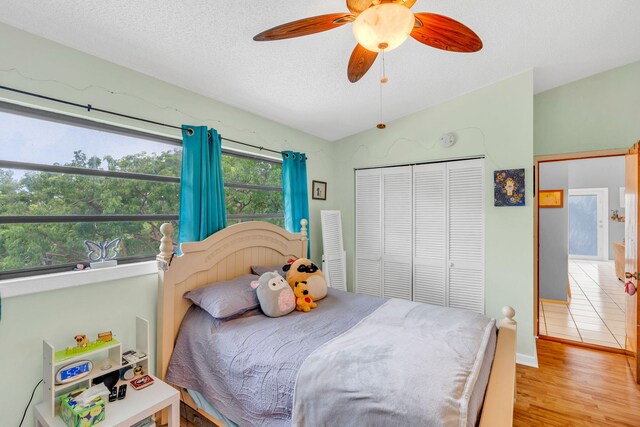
{"points": [[383, 80], [384, 77]]}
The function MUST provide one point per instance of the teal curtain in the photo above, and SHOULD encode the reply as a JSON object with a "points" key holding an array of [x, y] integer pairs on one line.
{"points": [[294, 187], [202, 204]]}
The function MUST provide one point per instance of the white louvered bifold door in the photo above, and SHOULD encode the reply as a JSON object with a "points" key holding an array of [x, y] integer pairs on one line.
{"points": [[430, 234], [397, 232], [465, 206], [369, 232], [334, 257]]}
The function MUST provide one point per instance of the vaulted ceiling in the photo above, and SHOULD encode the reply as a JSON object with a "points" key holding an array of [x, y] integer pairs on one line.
{"points": [[206, 46]]}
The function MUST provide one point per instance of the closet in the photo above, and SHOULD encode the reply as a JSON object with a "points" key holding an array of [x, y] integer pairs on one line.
{"points": [[420, 233]]}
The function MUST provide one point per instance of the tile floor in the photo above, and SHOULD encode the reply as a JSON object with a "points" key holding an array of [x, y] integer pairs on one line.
{"points": [[595, 314]]}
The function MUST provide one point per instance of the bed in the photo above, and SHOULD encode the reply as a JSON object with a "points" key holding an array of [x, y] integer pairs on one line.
{"points": [[412, 379]]}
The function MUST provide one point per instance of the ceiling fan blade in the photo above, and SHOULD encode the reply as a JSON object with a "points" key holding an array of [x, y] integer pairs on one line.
{"points": [[360, 62], [445, 33], [304, 27], [357, 6]]}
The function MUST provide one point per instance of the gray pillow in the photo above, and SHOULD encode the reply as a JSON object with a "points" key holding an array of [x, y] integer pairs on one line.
{"points": [[227, 298], [261, 269]]}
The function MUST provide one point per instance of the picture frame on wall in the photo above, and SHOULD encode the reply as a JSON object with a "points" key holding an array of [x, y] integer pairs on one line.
{"points": [[319, 190], [509, 187], [551, 198]]}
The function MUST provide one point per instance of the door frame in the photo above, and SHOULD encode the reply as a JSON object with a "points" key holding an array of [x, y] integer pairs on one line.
{"points": [[536, 212], [603, 215]]}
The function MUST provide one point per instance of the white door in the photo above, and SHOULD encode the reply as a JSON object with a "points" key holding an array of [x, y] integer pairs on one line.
{"points": [[430, 236], [368, 232], [465, 209], [397, 232], [588, 223]]}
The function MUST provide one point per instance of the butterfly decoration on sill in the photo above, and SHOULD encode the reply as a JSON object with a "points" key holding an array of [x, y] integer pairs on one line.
{"points": [[102, 251]]}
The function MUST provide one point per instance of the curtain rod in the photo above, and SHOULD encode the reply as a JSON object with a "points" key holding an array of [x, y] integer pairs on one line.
{"points": [[90, 108]]}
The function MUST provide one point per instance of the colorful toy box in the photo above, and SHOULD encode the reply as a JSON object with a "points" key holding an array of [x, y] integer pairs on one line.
{"points": [[77, 416]]}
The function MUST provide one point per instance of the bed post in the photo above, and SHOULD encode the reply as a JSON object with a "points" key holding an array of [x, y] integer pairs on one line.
{"points": [[165, 299], [499, 399], [303, 234]]}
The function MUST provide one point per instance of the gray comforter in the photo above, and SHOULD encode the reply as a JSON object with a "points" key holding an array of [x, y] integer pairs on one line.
{"points": [[407, 364], [247, 366], [355, 360]]}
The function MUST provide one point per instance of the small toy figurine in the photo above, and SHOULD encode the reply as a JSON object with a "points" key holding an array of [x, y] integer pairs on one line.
{"points": [[138, 371], [105, 336], [81, 340]]}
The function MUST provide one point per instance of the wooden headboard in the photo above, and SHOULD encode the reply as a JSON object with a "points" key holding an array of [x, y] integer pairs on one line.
{"points": [[224, 255]]}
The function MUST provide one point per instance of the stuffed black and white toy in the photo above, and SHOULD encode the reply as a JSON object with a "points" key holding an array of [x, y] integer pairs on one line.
{"points": [[275, 295]]}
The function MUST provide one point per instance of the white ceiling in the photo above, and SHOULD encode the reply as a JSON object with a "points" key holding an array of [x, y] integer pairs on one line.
{"points": [[206, 46]]}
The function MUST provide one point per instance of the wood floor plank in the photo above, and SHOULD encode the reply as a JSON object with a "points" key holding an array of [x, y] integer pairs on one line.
{"points": [[576, 386]]}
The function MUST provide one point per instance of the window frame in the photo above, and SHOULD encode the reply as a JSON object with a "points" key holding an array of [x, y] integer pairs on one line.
{"points": [[71, 120]]}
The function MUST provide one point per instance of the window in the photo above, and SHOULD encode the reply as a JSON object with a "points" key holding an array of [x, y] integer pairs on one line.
{"points": [[65, 180], [253, 189]]}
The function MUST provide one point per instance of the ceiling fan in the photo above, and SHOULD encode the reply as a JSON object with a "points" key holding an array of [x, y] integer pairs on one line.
{"points": [[380, 26]]}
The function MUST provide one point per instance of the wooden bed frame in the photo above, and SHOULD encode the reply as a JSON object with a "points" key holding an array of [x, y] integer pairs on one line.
{"points": [[230, 253]]}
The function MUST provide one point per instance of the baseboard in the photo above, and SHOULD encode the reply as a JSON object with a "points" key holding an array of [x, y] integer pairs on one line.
{"points": [[525, 359]]}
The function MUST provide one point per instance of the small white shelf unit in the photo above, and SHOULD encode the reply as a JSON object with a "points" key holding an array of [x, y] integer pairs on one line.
{"points": [[113, 353]]}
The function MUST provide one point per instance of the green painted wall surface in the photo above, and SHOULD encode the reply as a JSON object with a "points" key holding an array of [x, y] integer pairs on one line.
{"points": [[34, 64], [596, 113], [58, 316], [497, 122]]}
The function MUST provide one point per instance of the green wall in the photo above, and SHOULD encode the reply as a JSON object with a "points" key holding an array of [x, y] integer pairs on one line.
{"points": [[497, 122], [34, 64], [596, 113], [58, 316]]}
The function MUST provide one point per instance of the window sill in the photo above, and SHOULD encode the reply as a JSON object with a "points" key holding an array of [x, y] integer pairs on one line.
{"points": [[50, 282]]}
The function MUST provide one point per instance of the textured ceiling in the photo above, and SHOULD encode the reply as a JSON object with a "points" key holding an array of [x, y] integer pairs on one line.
{"points": [[206, 46]]}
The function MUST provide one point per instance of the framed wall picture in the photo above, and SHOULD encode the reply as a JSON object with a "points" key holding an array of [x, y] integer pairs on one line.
{"points": [[319, 190], [551, 198], [508, 187]]}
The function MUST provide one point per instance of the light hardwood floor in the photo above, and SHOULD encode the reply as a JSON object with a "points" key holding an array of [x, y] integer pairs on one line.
{"points": [[573, 386], [595, 314], [576, 386]]}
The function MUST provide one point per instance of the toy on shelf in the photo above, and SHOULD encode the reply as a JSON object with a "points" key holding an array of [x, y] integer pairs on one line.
{"points": [[105, 336], [82, 341]]}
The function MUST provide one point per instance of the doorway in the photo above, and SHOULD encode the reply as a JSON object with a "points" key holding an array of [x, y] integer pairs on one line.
{"points": [[588, 233], [579, 295]]}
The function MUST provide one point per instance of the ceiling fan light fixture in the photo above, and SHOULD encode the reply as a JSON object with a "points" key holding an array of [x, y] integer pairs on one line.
{"points": [[383, 27]]}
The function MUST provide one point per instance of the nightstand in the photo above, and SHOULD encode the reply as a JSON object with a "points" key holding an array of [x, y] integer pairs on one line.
{"points": [[138, 405]]}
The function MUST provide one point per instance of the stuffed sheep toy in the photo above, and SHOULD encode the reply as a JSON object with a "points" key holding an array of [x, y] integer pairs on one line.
{"points": [[275, 295]]}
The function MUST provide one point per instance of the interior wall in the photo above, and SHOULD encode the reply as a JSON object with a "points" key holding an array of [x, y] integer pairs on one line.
{"points": [[58, 316], [34, 64], [495, 122], [553, 237], [596, 113]]}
